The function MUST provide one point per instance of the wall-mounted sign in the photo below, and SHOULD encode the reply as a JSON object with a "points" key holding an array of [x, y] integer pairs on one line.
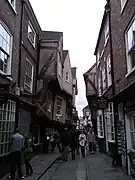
{"points": [[101, 103], [4, 92]]}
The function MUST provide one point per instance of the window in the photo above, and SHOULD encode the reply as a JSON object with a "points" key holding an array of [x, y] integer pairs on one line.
{"points": [[132, 131], [98, 58], [5, 49], [106, 32], [36, 138], [104, 78], [31, 34], [67, 77], [7, 123], [123, 2], [28, 79], [100, 126], [99, 86], [131, 47], [59, 69], [59, 106], [13, 3], [49, 101], [110, 122], [109, 77]]}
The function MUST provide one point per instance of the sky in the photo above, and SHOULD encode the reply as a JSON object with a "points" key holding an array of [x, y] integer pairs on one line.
{"points": [[80, 22]]}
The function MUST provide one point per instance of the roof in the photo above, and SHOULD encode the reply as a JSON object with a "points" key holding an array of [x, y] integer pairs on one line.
{"points": [[65, 52], [100, 31], [90, 69], [51, 35], [73, 70]]}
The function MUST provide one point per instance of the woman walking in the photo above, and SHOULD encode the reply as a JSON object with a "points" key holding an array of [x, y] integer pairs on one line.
{"points": [[27, 156]]}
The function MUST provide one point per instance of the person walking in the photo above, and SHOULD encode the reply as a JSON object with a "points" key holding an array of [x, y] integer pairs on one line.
{"points": [[65, 140], [91, 140], [17, 145], [28, 149], [82, 142], [56, 141], [73, 143]]}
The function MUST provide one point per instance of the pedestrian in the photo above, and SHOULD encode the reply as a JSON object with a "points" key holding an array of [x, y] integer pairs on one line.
{"points": [[82, 142], [28, 149], [73, 143], [17, 146], [65, 139], [56, 141], [91, 140], [52, 142], [77, 140]]}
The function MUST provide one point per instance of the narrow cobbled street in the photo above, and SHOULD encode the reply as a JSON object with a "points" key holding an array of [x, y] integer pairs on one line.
{"points": [[92, 167]]}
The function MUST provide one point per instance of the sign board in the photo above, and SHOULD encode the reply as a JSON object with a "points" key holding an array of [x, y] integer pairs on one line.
{"points": [[101, 103], [4, 92]]}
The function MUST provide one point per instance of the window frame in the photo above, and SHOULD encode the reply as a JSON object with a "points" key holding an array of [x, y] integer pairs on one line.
{"points": [[67, 77], [9, 110], [13, 6], [32, 77], [100, 123], [110, 126], [106, 32], [32, 28], [109, 75], [10, 51], [58, 97], [130, 69]]}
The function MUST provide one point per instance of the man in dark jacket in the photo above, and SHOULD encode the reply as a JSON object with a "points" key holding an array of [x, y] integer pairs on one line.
{"points": [[65, 140], [73, 143]]}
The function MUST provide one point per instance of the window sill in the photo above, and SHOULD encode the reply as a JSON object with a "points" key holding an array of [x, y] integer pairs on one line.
{"points": [[123, 7], [6, 75], [101, 137], [111, 141], [130, 72], [12, 7]]}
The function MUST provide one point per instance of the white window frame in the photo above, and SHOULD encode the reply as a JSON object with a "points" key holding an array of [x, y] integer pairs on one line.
{"points": [[59, 106], [130, 69], [109, 76], [32, 28], [110, 123], [106, 32], [104, 78], [7, 125], [10, 50], [67, 77], [13, 5], [99, 86], [26, 86], [98, 58], [100, 124], [123, 4]]}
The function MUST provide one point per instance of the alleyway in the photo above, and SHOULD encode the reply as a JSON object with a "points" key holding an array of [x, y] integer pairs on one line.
{"points": [[93, 167]]}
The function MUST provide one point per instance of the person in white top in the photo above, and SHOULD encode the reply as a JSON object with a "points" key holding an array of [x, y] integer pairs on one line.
{"points": [[82, 142], [91, 140]]}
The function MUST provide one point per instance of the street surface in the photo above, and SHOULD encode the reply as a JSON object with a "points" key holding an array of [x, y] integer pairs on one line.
{"points": [[92, 167]]}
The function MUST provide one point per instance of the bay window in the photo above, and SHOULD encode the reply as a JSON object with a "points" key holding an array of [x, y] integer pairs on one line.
{"points": [[109, 77], [7, 124], [59, 102]]}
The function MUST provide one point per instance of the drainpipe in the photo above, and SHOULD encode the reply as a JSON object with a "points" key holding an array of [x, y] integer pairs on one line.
{"points": [[19, 67], [108, 11]]}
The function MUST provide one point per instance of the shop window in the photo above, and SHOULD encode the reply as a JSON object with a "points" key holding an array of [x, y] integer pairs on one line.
{"points": [[132, 131], [7, 123], [110, 123], [100, 125]]}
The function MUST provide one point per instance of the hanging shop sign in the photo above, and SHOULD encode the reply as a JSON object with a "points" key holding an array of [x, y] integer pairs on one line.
{"points": [[101, 103], [4, 92]]}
